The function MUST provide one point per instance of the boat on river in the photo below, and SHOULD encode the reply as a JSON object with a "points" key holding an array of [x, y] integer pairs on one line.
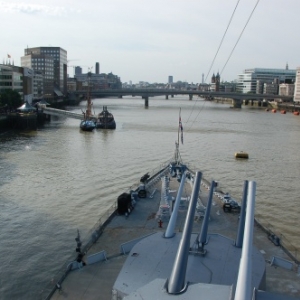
{"points": [[174, 241], [105, 120], [87, 125], [241, 154], [88, 122]]}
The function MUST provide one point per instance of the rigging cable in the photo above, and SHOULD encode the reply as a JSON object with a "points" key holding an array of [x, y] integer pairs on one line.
{"points": [[240, 35], [222, 40], [214, 61], [231, 51]]}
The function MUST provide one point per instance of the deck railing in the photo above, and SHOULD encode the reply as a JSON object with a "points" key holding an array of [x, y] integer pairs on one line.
{"points": [[92, 236]]}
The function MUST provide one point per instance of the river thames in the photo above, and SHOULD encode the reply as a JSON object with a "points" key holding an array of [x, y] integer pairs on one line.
{"points": [[58, 179]]}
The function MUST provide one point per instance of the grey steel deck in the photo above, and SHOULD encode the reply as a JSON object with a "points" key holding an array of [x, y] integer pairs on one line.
{"points": [[96, 281]]}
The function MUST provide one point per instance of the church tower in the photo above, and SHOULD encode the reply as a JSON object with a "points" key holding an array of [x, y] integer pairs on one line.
{"points": [[213, 78], [218, 82]]}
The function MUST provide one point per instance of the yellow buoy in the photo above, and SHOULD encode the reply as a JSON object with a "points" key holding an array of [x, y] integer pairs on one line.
{"points": [[241, 154]]}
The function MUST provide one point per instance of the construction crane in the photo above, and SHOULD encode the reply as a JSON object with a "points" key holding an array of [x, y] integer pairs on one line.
{"points": [[72, 60]]}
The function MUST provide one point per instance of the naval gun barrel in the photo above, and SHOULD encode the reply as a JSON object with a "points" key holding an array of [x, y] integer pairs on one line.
{"points": [[240, 233], [203, 234], [176, 282], [171, 226], [244, 282]]}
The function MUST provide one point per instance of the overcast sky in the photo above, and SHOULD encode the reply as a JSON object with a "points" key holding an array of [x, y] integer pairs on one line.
{"points": [[142, 40]]}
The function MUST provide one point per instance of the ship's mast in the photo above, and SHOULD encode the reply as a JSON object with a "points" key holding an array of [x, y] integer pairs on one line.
{"points": [[177, 156], [178, 128], [88, 112]]}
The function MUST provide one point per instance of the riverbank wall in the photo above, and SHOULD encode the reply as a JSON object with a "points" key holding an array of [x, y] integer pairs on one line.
{"points": [[279, 106], [21, 121], [30, 121], [253, 103]]}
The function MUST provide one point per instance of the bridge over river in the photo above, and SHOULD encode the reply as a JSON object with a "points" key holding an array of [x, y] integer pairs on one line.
{"points": [[237, 98]]}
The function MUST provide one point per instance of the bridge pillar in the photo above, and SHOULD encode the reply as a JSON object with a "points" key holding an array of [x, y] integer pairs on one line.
{"points": [[172, 96], [237, 103], [146, 101], [120, 96], [190, 96], [167, 97]]}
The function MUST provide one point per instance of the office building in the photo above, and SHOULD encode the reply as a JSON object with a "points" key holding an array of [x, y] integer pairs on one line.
{"points": [[18, 79], [170, 79], [78, 70], [38, 87], [253, 80], [43, 66], [51, 62]]}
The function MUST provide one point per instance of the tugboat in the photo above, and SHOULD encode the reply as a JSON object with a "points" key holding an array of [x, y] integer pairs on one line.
{"points": [[105, 120]]}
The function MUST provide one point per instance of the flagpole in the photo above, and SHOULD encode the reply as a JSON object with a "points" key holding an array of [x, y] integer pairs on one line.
{"points": [[179, 124]]}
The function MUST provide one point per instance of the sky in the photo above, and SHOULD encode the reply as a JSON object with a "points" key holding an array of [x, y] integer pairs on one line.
{"points": [[148, 41]]}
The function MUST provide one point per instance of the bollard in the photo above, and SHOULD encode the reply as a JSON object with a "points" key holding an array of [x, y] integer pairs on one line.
{"points": [[160, 223]]}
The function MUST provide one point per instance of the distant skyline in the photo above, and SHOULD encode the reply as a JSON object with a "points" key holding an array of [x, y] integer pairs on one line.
{"points": [[151, 40]]}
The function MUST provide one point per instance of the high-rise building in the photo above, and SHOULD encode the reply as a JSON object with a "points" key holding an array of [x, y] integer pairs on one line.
{"points": [[78, 70], [170, 79], [44, 66], [97, 68], [51, 62]]}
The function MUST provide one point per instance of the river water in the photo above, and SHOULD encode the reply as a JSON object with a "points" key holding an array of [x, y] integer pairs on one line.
{"points": [[58, 179]]}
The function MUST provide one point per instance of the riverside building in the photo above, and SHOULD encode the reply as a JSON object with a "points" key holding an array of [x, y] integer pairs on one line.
{"points": [[51, 62], [97, 81], [18, 79], [261, 80], [297, 87]]}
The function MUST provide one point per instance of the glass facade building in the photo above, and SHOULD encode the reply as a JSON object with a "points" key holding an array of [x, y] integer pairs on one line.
{"points": [[248, 81]]}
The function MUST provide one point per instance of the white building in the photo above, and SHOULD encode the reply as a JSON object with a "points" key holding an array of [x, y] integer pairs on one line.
{"points": [[11, 78], [247, 82], [18, 79], [286, 89], [297, 87]]}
